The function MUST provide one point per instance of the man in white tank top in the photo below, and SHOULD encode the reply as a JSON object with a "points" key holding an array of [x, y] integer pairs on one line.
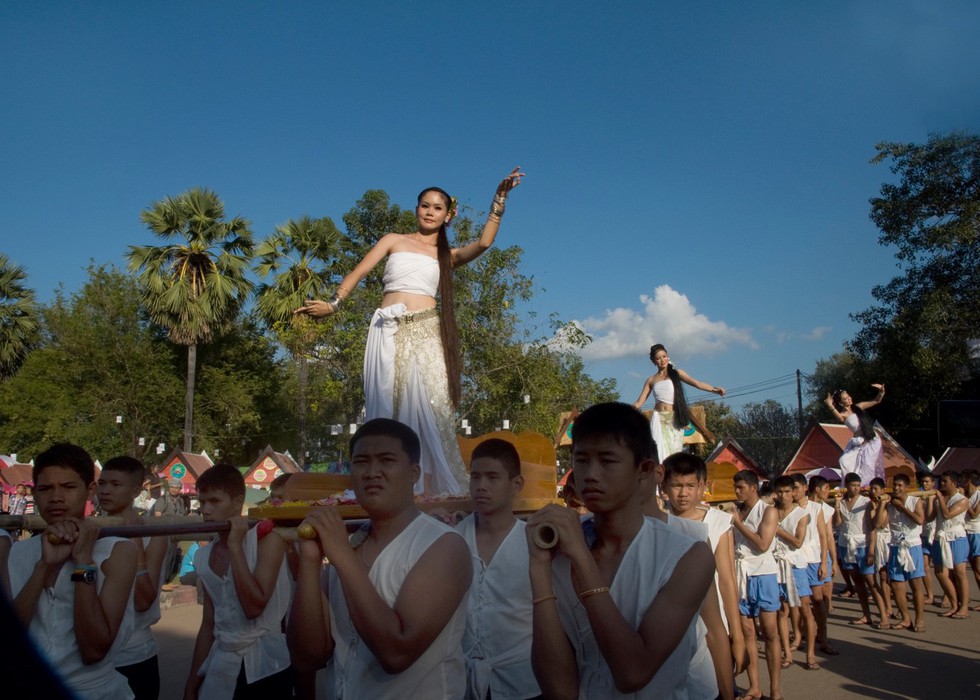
{"points": [[120, 483], [74, 596], [616, 601], [755, 525], [851, 514], [951, 549], [971, 482], [497, 642], [903, 515], [685, 480], [391, 616]]}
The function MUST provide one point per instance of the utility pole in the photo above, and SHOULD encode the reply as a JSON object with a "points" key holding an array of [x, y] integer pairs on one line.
{"points": [[799, 401]]}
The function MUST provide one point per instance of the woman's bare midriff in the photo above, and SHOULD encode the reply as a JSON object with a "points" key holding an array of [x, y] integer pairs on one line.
{"points": [[660, 406], [413, 302]]}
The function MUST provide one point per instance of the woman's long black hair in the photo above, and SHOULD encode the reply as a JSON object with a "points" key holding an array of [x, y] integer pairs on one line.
{"points": [[865, 422], [682, 416], [447, 306]]}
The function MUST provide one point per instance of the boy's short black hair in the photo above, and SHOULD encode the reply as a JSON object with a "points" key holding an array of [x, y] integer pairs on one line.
{"points": [[130, 466], [851, 478], [784, 482], [68, 456], [386, 427], [901, 477], [746, 476], [799, 479], [502, 451], [617, 420], [951, 474], [877, 481], [222, 477], [816, 482], [685, 464]]}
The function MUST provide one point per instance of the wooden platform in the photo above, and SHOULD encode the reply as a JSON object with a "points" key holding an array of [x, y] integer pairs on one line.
{"points": [[538, 466]]}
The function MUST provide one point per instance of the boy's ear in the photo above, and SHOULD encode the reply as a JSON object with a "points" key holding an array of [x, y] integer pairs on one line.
{"points": [[646, 469], [517, 483]]}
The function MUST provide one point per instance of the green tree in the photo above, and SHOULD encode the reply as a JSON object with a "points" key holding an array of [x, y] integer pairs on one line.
{"points": [[18, 317], [291, 256], [195, 284], [770, 433], [917, 339], [99, 357]]}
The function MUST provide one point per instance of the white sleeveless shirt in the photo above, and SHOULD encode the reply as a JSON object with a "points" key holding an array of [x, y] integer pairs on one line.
{"points": [[439, 672], [142, 645], [852, 533], [750, 560], [497, 640], [646, 568], [53, 627], [258, 643], [904, 528]]}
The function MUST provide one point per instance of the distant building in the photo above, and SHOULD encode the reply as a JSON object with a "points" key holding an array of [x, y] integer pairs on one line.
{"points": [[824, 443], [268, 465]]}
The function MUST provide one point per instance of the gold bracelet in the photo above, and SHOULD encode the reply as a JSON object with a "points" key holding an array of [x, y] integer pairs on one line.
{"points": [[544, 598], [593, 591]]}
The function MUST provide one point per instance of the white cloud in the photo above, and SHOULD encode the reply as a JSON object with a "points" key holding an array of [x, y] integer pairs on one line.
{"points": [[669, 318], [810, 336]]}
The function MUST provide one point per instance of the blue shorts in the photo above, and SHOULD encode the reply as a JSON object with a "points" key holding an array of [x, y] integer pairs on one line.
{"points": [[802, 583], [895, 570], [761, 595], [960, 547], [814, 569], [860, 563], [974, 539]]}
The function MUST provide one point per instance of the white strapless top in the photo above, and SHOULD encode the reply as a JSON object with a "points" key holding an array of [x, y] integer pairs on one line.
{"points": [[663, 392], [413, 273]]}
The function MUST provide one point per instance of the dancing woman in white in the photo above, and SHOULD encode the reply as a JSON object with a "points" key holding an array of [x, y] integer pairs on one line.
{"points": [[863, 454], [411, 362], [670, 414]]}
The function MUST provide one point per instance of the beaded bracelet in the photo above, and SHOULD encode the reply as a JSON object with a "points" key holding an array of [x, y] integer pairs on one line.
{"points": [[544, 598], [593, 591]]}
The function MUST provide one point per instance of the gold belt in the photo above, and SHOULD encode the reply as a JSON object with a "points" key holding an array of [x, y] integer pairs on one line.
{"points": [[416, 316]]}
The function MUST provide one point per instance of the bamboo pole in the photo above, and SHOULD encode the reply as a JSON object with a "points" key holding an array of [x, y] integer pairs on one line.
{"points": [[179, 527]]}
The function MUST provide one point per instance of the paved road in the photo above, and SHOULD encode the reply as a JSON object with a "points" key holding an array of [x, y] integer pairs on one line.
{"points": [[942, 663]]}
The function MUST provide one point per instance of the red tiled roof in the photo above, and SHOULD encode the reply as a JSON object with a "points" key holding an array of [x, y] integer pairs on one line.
{"points": [[958, 459], [824, 443], [15, 474]]}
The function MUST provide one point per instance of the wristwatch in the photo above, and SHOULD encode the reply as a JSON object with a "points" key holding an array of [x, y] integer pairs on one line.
{"points": [[86, 576]]}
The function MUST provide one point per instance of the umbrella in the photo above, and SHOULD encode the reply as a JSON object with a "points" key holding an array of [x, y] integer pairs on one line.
{"points": [[826, 472]]}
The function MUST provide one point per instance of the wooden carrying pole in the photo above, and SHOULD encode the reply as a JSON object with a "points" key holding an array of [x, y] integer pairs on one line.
{"points": [[182, 527]]}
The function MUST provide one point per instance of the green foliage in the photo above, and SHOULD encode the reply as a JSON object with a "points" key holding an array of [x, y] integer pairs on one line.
{"points": [[99, 358], [916, 339], [18, 317], [770, 433], [195, 283]]}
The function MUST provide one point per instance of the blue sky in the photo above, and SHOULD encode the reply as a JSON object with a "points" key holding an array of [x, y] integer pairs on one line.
{"points": [[698, 173]]}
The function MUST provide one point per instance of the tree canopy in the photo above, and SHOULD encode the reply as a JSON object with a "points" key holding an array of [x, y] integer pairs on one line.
{"points": [[921, 338]]}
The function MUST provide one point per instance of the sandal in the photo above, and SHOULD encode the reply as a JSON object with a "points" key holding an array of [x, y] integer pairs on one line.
{"points": [[916, 628], [785, 663], [828, 650], [811, 666]]}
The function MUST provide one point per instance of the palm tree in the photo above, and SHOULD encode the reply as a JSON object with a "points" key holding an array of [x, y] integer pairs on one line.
{"points": [[18, 317], [289, 254], [195, 284]]}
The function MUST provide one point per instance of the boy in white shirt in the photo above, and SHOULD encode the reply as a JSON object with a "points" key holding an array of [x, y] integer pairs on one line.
{"points": [[951, 550], [119, 485], [240, 650], [497, 642], [971, 482], [391, 616], [615, 607], [72, 590]]}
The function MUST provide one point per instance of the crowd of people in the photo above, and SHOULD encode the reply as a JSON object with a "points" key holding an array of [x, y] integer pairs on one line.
{"points": [[651, 594]]}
